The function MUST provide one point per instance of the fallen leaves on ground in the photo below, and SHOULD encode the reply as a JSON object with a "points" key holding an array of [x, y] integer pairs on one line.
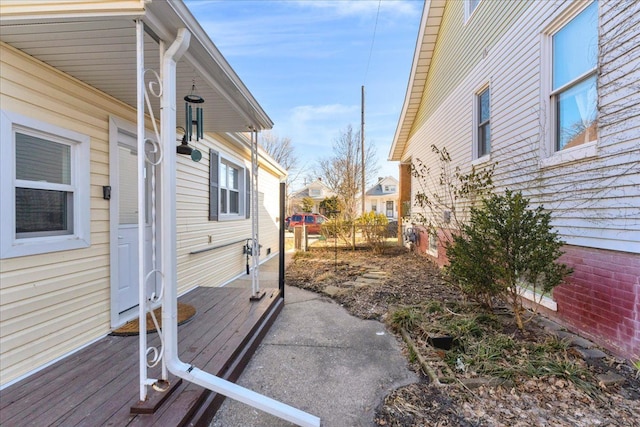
{"points": [[411, 281]]}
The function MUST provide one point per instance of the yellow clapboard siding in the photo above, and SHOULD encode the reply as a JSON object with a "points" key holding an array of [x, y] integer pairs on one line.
{"points": [[47, 308], [17, 363], [460, 47], [40, 281], [24, 8]]}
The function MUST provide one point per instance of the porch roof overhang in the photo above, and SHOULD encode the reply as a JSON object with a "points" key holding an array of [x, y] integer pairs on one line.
{"points": [[425, 45], [98, 47]]}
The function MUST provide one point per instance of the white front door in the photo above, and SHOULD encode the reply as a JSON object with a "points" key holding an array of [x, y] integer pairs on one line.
{"points": [[127, 193]]}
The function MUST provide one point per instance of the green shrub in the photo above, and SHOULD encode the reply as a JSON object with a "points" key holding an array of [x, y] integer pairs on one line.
{"points": [[406, 318], [505, 244], [374, 229]]}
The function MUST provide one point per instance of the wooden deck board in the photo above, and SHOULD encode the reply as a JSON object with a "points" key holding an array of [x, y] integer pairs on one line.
{"points": [[99, 384]]}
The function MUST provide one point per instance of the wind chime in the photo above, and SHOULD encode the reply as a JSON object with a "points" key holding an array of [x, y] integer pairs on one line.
{"points": [[192, 121]]}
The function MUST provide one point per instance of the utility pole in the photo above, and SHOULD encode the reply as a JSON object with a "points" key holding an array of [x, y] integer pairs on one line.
{"points": [[362, 147]]}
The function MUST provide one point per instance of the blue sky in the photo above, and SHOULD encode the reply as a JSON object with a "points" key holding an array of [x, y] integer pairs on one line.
{"points": [[306, 61]]}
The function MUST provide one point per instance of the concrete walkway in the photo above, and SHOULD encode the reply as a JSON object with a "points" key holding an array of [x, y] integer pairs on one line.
{"points": [[319, 359]]}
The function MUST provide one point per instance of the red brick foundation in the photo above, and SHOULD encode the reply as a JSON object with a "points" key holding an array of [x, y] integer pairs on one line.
{"points": [[601, 300]]}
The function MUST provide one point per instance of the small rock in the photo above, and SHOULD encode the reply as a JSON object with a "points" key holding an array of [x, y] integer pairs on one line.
{"points": [[332, 290], [610, 378], [590, 353]]}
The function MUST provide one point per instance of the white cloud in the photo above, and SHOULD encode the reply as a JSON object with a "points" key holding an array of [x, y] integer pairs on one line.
{"points": [[364, 7]]}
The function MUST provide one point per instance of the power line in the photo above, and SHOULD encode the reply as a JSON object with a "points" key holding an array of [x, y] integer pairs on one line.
{"points": [[373, 38]]}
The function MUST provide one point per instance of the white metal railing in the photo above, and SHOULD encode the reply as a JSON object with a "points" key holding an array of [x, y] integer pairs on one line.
{"points": [[164, 158]]}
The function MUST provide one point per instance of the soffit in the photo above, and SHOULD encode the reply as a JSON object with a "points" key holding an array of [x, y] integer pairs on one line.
{"points": [[101, 52], [425, 45]]}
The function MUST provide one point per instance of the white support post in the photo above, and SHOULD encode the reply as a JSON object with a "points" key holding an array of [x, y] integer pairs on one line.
{"points": [[168, 256], [255, 212], [142, 315]]}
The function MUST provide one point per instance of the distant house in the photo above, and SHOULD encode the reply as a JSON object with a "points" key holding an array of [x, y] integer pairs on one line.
{"points": [[383, 197], [547, 92], [316, 191], [71, 111]]}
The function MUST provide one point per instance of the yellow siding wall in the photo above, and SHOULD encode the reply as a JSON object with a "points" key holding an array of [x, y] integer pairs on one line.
{"points": [[195, 232], [53, 303], [22, 8], [460, 47]]}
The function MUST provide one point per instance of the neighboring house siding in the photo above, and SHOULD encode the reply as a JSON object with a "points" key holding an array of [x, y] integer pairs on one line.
{"points": [[460, 47], [53, 303], [610, 218], [595, 201]]}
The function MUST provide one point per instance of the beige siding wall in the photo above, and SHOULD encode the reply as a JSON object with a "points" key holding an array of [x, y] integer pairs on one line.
{"points": [[53, 303], [595, 200], [269, 225], [25, 8], [195, 232]]}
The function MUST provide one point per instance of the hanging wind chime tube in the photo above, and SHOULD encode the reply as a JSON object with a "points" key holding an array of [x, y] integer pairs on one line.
{"points": [[190, 99], [191, 121]]}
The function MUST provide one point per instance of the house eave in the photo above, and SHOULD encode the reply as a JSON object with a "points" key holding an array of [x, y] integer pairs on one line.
{"points": [[59, 33], [425, 45]]}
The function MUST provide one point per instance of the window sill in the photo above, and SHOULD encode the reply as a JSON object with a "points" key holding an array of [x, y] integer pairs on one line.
{"points": [[570, 155], [42, 245], [538, 299], [230, 217], [481, 160]]}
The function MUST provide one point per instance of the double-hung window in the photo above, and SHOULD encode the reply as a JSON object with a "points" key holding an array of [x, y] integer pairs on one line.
{"points": [[469, 7], [483, 123], [229, 182], [573, 91], [45, 187], [229, 188]]}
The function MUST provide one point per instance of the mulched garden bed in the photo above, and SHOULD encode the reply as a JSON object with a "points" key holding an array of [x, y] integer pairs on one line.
{"points": [[493, 375]]}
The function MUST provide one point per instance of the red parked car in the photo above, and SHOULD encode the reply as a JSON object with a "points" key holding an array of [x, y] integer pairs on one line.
{"points": [[312, 221]]}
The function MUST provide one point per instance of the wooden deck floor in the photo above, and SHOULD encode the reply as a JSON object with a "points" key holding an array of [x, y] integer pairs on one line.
{"points": [[98, 385]]}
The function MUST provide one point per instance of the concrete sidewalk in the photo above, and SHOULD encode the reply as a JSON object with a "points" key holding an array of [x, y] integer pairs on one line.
{"points": [[319, 359]]}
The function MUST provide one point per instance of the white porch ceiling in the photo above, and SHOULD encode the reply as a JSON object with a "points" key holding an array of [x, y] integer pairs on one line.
{"points": [[102, 54]]}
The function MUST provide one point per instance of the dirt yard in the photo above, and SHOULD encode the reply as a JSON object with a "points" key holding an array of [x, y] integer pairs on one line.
{"points": [[493, 374]]}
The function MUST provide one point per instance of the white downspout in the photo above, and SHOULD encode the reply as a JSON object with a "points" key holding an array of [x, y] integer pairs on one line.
{"points": [[168, 256], [255, 208]]}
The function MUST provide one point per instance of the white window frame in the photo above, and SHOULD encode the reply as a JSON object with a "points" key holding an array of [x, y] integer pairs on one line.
{"points": [[476, 125], [389, 212], [549, 155], [12, 246], [241, 214], [315, 192], [432, 249], [469, 8]]}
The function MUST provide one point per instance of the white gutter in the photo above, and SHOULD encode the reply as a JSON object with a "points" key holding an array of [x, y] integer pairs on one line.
{"points": [[168, 257], [399, 141]]}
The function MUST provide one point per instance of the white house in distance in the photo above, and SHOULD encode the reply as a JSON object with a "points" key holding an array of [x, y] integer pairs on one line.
{"points": [[69, 126], [382, 197], [316, 190], [547, 91]]}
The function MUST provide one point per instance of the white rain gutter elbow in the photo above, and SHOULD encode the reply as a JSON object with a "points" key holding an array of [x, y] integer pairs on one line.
{"points": [[168, 244]]}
